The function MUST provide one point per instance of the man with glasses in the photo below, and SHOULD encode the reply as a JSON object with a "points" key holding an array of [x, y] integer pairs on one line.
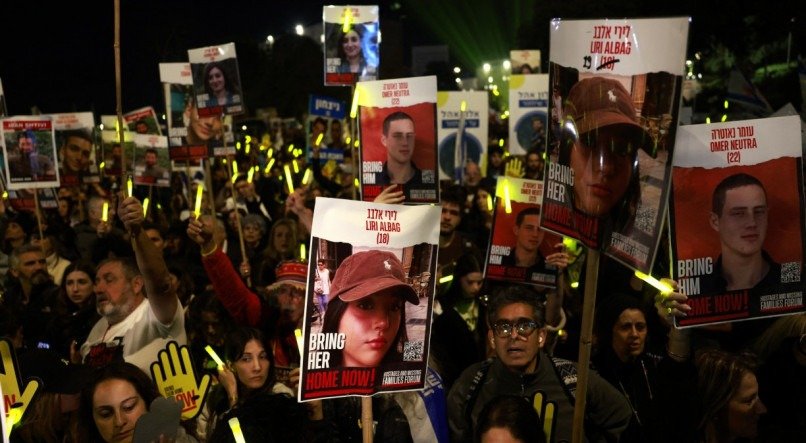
{"points": [[517, 335]]}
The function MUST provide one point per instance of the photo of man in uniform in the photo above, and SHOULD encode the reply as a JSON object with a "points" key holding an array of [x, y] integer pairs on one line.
{"points": [[739, 216], [27, 161], [398, 139]]}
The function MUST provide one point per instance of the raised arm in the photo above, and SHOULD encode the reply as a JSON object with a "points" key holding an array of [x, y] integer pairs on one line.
{"points": [[161, 293]]}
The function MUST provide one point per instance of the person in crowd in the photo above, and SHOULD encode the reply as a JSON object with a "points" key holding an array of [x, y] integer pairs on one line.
{"points": [[520, 367], [208, 324], [249, 392], [76, 312], [509, 418], [113, 401], [140, 310], [459, 333], [337, 136], [452, 243], [56, 264], [367, 304], [535, 166], [495, 165], [247, 199], [253, 227], [729, 402], [219, 85], [282, 246], [95, 237]]}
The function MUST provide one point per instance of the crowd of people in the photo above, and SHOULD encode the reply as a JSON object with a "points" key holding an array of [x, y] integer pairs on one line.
{"points": [[93, 290]]}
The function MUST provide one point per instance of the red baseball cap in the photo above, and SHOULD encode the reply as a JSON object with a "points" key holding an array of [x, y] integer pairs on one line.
{"points": [[365, 273], [290, 272]]}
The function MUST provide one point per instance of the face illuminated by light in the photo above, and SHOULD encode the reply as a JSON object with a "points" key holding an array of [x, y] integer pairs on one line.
{"points": [[78, 286], [744, 409], [252, 368], [629, 334], [115, 295], [116, 408], [471, 284], [516, 352]]}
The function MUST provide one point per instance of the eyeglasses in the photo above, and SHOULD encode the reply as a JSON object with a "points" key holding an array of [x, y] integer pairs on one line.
{"points": [[524, 326]]}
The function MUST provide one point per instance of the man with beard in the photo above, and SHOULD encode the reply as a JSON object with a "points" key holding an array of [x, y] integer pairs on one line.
{"points": [[452, 243], [139, 308], [31, 296]]}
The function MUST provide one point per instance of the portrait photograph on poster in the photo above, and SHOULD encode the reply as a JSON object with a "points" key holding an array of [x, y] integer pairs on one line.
{"points": [[142, 121], [613, 117], [369, 298], [190, 137], [29, 150], [75, 141], [734, 184], [216, 80], [151, 163], [352, 35]]}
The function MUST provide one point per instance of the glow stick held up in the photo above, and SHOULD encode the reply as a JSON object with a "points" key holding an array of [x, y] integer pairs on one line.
{"points": [[319, 139], [250, 175], [235, 427], [105, 212], [354, 107], [298, 334], [507, 201], [199, 193], [129, 186], [146, 201], [214, 356], [664, 288], [307, 177], [302, 252], [289, 180]]}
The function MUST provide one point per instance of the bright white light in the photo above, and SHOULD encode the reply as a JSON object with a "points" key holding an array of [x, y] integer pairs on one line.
{"points": [[270, 39], [243, 128], [457, 70], [458, 81], [507, 65], [299, 30], [490, 79], [486, 68], [322, 38]]}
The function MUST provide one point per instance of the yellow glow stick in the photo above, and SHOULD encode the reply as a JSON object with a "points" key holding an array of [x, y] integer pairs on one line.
{"points": [[146, 201], [356, 143], [105, 212], [291, 147], [664, 288], [507, 201], [250, 175], [296, 166], [102, 165], [289, 180], [199, 193], [348, 19], [319, 139], [302, 252], [463, 106], [214, 356], [235, 426], [307, 177], [357, 183], [347, 140], [268, 166], [129, 186], [270, 153], [298, 334], [238, 146], [489, 202], [248, 148], [354, 107], [14, 417], [446, 279], [500, 142]]}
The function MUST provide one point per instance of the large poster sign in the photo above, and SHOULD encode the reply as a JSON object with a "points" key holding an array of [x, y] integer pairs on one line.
{"points": [[142, 121], [326, 128], [151, 163], [737, 219], [462, 121], [615, 88], [190, 136], [216, 80], [519, 249], [398, 137], [370, 295], [112, 152], [29, 150], [528, 113], [352, 38], [75, 145], [3, 111]]}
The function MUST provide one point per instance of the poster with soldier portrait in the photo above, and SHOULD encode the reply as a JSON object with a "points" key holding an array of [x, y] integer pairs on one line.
{"points": [[370, 294], [151, 163], [29, 150], [142, 121], [737, 223], [216, 80], [352, 41], [75, 145], [614, 98]]}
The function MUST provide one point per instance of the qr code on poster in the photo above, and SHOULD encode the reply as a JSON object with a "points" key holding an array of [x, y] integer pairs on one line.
{"points": [[428, 176], [790, 272], [413, 351]]}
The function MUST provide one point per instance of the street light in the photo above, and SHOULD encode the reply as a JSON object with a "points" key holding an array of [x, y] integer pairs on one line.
{"points": [[457, 70], [299, 29], [507, 65], [270, 39], [486, 68]]}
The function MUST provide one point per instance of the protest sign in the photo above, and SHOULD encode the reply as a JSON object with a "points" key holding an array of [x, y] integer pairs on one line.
{"points": [[615, 92], [112, 152], [737, 222], [462, 133], [151, 163], [326, 128], [142, 121], [398, 137], [518, 247], [216, 80], [352, 40], [75, 141], [29, 150], [370, 262], [528, 110]]}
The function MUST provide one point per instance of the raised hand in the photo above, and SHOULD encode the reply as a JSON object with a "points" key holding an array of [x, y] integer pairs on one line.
{"points": [[173, 373], [514, 168]]}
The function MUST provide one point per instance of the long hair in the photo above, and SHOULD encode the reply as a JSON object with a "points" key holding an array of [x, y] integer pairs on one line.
{"points": [[271, 252], [115, 371], [43, 421], [79, 266], [466, 264], [335, 311], [229, 85], [514, 414], [340, 47], [719, 377], [234, 346]]}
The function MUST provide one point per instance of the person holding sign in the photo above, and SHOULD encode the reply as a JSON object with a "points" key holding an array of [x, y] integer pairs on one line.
{"points": [[366, 310], [739, 214], [398, 139], [600, 142]]}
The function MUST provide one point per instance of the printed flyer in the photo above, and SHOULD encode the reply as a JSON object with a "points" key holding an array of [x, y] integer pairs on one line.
{"points": [[75, 141], [142, 121], [370, 294], [191, 137], [398, 137], [151, 163], [111, 151], [615, 92], [528, 111], [352, 40], [216, 80], [462, 122], [520, 251], [29, 150], [327, 129], [737, 223]]}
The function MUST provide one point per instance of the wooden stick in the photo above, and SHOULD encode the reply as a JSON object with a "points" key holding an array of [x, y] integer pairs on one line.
{"points": [[585, 338], [39, 220], [366, 419], [238, 219], [119, 95]]}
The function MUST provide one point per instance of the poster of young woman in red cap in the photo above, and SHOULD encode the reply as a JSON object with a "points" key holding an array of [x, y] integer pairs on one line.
{"points": [[737, 223], [615, 92], [366, 329]]}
